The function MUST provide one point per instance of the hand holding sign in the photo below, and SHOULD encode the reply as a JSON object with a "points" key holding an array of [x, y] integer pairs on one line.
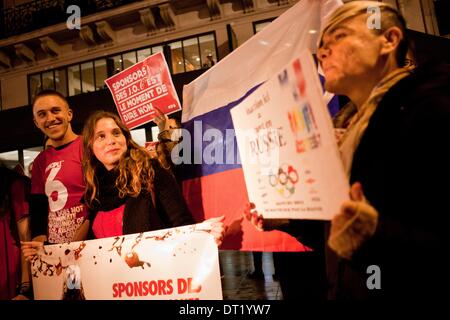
{"points": [[257, 220], [30, 249], [161, 119], [215, 227]]}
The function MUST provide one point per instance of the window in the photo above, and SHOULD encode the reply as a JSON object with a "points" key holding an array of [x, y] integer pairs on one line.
{"points": [[144, 53], [208, 50], [117, 63], [147, 52], [186, 55], [34, 85], [74, 80], [48, 81], [176, 51], [61, 81], [157, 49], [191, 54], [129, 59], [87, 77], [259, 25], [100, 73]]}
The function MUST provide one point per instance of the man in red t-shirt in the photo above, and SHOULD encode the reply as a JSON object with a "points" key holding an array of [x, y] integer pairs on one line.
{"points": [[57, 184]]}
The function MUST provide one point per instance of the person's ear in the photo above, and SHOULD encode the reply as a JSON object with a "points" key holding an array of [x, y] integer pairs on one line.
{"points": [[70, 114], [35, 122], [391, 39]]}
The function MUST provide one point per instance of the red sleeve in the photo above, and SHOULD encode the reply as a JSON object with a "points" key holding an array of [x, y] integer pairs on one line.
{"points": [[19, 198], [37, 176]]}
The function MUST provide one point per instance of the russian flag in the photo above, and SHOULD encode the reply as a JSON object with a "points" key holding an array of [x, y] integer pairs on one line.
{"points": [[213, 181]]}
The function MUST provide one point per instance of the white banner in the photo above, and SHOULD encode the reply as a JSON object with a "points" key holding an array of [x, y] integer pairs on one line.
{"points": [[176, 263], [289, 154], [258, 58]]}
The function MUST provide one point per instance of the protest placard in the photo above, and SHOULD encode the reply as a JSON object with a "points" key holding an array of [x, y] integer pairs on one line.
{"points": [[141, 87], [176, 263], [290, 158]]}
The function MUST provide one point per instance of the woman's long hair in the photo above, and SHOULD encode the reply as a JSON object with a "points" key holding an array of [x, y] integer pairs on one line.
{"points": [[7, 176], [136, 173]]}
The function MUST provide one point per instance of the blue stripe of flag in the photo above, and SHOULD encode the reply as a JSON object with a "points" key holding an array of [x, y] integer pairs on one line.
{"points": [[219, 119]]}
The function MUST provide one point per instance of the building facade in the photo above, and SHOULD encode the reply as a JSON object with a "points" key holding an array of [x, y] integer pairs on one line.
{"points": [[73, 46]]}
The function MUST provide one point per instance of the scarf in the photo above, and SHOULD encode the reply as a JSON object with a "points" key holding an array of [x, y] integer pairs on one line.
{"points": [[356, 121], [108, 194]]}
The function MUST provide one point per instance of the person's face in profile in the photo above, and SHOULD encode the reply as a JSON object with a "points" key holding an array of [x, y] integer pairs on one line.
{"points": [[348, 53]]}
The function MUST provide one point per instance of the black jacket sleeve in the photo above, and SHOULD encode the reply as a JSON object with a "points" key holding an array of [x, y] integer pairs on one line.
{"points": [[312, 233], [38, 214], [169, 196], [412, 199]]}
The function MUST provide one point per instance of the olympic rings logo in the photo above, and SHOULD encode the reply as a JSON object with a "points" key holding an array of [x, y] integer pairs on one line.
{"points": [[284, 180]]}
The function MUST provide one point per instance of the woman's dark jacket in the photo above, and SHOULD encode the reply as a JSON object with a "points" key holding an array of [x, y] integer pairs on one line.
{"points": [[141, 214]]}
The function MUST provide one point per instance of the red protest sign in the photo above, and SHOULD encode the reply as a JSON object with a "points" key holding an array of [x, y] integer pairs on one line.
{"points": [[151, 145], [152, 148], [141, 87]]}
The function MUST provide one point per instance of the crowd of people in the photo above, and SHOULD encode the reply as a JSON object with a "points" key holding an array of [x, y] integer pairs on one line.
{"points": [[392, 141]]}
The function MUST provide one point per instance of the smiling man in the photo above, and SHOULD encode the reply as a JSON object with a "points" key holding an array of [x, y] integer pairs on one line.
{"points": [[57, 184]]}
